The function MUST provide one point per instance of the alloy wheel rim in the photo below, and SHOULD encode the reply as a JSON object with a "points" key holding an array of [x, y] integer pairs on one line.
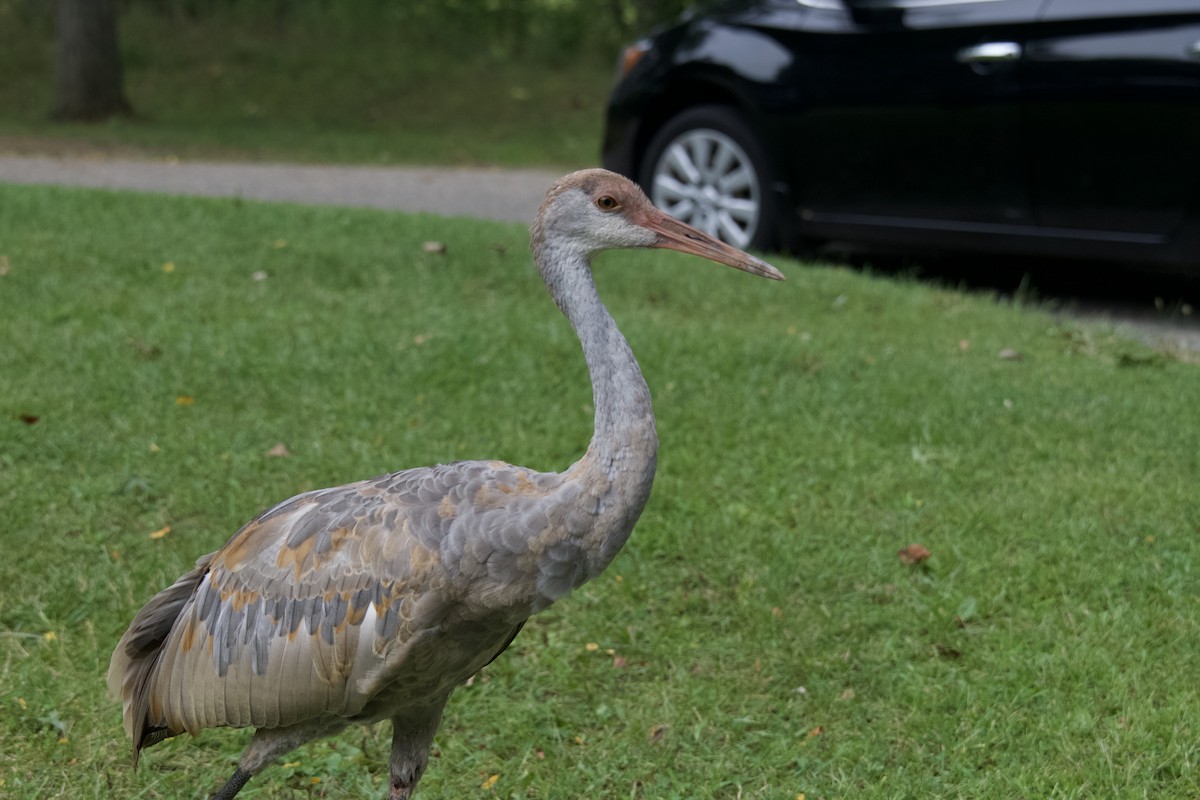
{"points": [[705, 179]]}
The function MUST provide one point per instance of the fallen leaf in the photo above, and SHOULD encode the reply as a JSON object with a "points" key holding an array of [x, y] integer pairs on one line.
{"points": [[619, 662], [913, 554], [1008, 354], [848, 694], [434, 247], [259, 275], [817, 731], [490, 781], [777, 612], [591, 647], [161, 532], [50, 636], [966, 610], [657, 733], [279, 451], [291, 765], [168, 267], [964, 344], [3, 266], [184, 400], [541, 754], [29, 419]]}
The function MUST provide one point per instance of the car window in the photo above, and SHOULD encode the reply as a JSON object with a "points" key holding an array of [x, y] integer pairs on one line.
{"points": [[916, 14], [1095, 9]]}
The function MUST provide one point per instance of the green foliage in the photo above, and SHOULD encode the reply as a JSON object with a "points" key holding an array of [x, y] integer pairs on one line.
{"points": [[548, 27], [758, 637]]}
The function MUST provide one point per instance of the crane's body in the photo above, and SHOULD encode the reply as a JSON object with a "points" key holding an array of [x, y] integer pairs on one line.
{"points": [[376, 599]]}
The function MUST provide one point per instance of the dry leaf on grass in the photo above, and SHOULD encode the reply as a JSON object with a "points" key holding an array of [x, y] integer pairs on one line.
{"points": [[438, 248], [913, 554], [1008, 354], [279, 451], [161, 532]]}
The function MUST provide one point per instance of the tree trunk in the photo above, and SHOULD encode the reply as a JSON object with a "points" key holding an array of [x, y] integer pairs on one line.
{"points": [[88, 81]]}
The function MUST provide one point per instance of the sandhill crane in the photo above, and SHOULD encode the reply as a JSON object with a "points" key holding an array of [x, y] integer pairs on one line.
{"points": [[374, 600]]}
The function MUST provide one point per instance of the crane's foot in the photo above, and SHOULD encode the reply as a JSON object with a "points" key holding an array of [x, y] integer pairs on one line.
{"points": [[233, 785], [401, 788]]}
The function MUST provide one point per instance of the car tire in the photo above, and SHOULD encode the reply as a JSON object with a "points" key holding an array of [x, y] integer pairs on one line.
{"points": [[706, 167]]}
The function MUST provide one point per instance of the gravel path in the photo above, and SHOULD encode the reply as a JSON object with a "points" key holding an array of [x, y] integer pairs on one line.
{"points": [[505, 195]]}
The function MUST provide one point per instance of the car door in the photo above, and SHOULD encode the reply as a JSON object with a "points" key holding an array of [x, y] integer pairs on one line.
{"points": [[1112, 123], [911, 116]]}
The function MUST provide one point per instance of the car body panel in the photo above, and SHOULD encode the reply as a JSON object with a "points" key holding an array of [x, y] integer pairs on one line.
{"points": [[1061, 127]]}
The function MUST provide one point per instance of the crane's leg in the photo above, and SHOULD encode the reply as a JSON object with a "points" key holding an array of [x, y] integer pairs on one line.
{"points": [[233, 785], [412, 736], [267, 745]]}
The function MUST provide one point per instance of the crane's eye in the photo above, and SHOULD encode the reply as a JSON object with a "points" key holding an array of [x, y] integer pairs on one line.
{"points": [[607, 203]]}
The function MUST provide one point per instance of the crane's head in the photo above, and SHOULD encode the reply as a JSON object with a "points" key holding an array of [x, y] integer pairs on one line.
{"points": [[594, 209]]}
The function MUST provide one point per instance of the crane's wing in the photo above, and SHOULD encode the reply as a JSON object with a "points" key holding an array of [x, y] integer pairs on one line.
{"points": [[312, 608]]}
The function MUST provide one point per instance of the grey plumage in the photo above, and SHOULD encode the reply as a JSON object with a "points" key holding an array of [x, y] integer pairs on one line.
{"points": [[376, 599]]}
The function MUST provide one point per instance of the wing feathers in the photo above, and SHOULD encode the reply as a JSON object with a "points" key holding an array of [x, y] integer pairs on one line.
{"points": [[311, 608]]}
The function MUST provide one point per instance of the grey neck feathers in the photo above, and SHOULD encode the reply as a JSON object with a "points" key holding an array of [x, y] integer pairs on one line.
{"points": [[624, 442]]}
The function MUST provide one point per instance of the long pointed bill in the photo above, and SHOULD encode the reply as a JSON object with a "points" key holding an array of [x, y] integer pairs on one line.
{"points": [[676, 235]]}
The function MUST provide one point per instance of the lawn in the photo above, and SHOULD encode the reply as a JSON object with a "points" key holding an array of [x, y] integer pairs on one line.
{"points": [[759, 636], [321, 84]]}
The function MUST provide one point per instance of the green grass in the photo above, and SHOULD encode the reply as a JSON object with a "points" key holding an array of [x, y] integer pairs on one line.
{"points": [[319, 86], [765, 640]]}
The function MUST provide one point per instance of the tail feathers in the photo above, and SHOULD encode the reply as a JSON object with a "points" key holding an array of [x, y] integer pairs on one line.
{"points": [[137, 656]]}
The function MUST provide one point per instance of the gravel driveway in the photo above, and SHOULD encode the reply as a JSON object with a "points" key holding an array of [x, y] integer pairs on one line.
{"points": [[506, 195]]}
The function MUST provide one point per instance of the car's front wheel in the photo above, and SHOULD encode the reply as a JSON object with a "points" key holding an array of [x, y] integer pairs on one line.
{"points": [[706, 168]]}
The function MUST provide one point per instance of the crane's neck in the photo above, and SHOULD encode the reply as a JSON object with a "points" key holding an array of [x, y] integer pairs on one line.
{"points": [[623, 453]]}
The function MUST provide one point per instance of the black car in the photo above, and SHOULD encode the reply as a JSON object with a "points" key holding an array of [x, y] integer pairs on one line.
{"points": [[1051, 127]]}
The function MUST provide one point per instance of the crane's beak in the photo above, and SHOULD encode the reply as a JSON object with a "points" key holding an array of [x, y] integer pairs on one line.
{"points": [[676, 235]]}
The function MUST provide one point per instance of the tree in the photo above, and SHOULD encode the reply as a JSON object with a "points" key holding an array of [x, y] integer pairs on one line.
{"points": [[88, 80]]}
